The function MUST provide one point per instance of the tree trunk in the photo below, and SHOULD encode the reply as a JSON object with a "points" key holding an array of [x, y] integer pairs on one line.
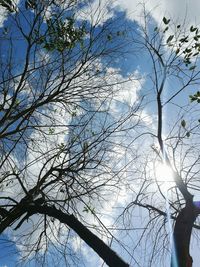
{"points": [[181, 237], [103, 250]]}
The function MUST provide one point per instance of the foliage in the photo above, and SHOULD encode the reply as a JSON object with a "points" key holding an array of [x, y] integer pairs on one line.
{"points": [[195, 97], [56, 126], [72, 149], [62, 35], [7, 4]]}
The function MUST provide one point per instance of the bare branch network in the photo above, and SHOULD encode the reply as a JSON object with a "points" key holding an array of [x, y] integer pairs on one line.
{"points": [[82, 139]]}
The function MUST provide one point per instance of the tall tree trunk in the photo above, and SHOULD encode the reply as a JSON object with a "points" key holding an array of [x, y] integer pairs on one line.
{"points": [[181, 236]]}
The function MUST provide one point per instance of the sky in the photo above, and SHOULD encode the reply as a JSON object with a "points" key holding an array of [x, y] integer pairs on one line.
{"points": [[179, 11]]}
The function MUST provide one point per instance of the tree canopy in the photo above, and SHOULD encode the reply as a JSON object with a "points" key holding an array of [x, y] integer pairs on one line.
{"points": [[93, 151]]}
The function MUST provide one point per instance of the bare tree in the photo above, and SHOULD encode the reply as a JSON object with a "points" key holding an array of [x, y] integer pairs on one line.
{"points": [[172, 74], [67, 145], [58, 133]]}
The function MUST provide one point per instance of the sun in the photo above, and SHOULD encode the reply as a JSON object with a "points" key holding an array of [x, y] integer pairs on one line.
{"points": [[164, 175], [163, 172]]}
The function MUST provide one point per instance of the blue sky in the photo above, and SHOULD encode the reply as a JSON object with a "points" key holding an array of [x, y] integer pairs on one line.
{"points": [[9, 253], [130, 12]]}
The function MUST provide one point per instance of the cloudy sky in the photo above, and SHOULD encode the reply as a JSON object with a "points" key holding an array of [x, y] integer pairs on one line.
{"points": [[178, 10]]}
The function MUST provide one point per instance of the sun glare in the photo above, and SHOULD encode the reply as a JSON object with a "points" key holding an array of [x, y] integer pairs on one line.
{"points": [[164, 175]]}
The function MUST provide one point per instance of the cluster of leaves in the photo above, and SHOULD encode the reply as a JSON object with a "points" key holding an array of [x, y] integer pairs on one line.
{"points": [[110, 36], [11, 7], [8, 4], [88, 209], [195, 97], [183, 124], [30, 4], [193, 51], [61, 34], [187, 45]]}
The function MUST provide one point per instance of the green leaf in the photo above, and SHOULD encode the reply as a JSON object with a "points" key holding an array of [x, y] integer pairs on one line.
{"points": [[169, 39], [74, 114], [17, 101], [193, 29], [109, 37], [51, 130], [192, 68], [195, 54], [49, 46], [85, 146], [30, 4], [61, 146], [184, 39], [188, 50], [8, 5], [121, 33], [188, 134], [187, 61], [183, 123], [89, 209], [86, 209], [166, 21], [62, 190], [5, 30], [192, 98], [166, 29]]}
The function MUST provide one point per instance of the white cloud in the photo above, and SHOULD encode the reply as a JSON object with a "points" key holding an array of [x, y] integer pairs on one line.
{"points": [[178, 10], [128, 95], [126, 91], [4, 13], [96, 11]]}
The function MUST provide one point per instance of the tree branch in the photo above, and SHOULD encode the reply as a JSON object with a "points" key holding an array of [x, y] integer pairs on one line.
{"points": [[103, 250]]}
